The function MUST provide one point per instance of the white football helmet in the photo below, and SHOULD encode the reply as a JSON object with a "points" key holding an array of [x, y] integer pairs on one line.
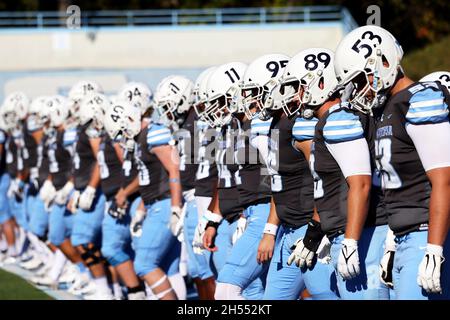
{"points": [[308, 81], [368, 57], [123, 121], [260, 78], [199, 92], [15, 109], [173, 99], [78, 92], [138, 93], [55, 111], [442, 76], [93, 108], [223, 92], [34, 119]]}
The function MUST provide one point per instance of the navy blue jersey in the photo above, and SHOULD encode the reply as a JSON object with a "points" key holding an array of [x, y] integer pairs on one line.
{"points": [[185, 138], [153, 177], [84, 159], [60, 150], [341, 124], [206, 175], [292, 183], [255, 181], [406, 186], [110, 167], [3, 155], [228, 172]]}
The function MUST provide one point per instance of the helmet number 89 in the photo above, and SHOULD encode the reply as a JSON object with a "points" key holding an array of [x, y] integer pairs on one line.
{"points": [[311, 61]]}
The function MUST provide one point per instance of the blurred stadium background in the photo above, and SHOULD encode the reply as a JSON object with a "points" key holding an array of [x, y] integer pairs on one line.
{"points": [[146, 40]]}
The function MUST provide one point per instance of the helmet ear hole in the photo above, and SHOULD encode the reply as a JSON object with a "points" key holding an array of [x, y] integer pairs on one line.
{"points": [[385, 61], [321, 83]]}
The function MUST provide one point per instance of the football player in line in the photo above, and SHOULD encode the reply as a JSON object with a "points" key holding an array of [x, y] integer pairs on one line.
{"points": [[291, 182], [240, 277], [175, 108], [413, 157], [157, 249], [87, 202], [14, 113], [7, 221], [342, 161], [56, 190]]}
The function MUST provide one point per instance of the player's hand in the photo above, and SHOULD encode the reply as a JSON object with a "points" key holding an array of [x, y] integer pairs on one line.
{"points": [[301, 255], [87, 198], [72, 205], [265, 248], [177, 220], [197, 243], [136, 223], [429, 276], [241, 226], [348, 261], [387, 261], [64, 193], [121, 198], [116, 212], [304, 249], [209, 239]]}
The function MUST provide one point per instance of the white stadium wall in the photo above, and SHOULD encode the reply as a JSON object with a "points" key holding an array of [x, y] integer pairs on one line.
{"points": [[45, 58]]}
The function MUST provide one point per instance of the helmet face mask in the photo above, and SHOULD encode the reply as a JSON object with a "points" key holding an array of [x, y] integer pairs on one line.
{"points": [[199, 92], [292, 101], [224, 94], [217, 112], [260, 79], [173, 100], [253, 96]]}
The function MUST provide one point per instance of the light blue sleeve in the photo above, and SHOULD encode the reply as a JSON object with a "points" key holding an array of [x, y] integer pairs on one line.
{"points": [[427, 106], [158, 135], [303, 129], [342, 126], [259, 127], [70, 137]]}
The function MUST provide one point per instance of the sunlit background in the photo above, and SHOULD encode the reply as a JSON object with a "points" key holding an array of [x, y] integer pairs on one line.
{"points": [[118, 41]]}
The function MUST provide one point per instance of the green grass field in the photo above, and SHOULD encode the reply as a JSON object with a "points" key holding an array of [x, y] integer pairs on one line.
{"points": [[15, 288]]}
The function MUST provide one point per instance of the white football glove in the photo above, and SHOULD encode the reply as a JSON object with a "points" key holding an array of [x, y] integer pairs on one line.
{"points": [[197, 243], [177, 220], [13, 186], [348, 261], [115, 211], [62, 195], [323, 252], [429, 276], [136, 223], [241, 226], [304, 249], [47, 193], [87, 198], [387, 261]]}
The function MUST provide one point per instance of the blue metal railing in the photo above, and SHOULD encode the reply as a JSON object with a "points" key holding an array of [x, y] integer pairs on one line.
{"points": [[219, 16]]}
